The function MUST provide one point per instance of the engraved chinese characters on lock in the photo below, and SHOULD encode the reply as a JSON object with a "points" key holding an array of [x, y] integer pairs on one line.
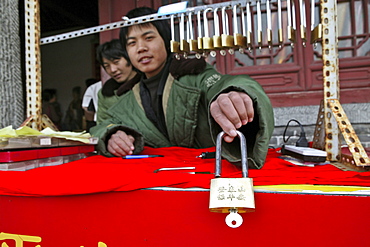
{"points": [[232, 195]]}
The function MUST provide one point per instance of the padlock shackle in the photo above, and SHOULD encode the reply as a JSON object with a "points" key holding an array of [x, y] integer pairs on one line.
{"points": [[235, 20], [216, 22], [259, 17], [243, 149], [172, 27], [189, 26], [243, 22], [268, 15], [225, 21], [249, 18], [182, 26], [199, 22], [205, 22]]}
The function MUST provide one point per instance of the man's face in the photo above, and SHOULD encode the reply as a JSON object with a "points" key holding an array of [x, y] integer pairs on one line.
{"points": [[146, 49], [118, 69]]}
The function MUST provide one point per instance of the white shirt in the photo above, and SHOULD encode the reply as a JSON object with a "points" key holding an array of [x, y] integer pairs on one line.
{"points": [[92, 93]]}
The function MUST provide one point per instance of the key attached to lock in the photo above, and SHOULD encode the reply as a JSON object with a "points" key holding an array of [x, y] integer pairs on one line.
{"points": [[232, 195]]}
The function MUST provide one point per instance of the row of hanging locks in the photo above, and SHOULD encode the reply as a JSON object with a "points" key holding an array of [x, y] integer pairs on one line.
{"points": [[223, 40]]}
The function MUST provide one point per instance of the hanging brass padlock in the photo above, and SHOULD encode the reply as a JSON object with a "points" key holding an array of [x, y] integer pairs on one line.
{"points": [[316, 32], [193, 44], [199, 38], [232, 195], [249, 33], [184, 45], [216, 37], [240, 40], [259, 25], [302, 9], [227, 40], [207, 40], [280, 29], [174, 45], [291, 28], [269, 24]]}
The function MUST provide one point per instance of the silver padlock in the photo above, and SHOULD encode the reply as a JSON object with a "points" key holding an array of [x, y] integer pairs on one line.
{"points": [[232, 195]]}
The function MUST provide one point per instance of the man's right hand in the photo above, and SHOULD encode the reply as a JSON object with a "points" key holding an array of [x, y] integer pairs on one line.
{"points": [[121, 144]]}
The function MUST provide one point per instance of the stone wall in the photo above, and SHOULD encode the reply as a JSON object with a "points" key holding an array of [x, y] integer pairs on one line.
{"points": [[11, 90], [358, 115]]}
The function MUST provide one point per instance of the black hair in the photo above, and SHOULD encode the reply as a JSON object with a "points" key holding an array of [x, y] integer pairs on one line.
{"points": [[90, 81], [76, 90], [111, 50], [48, 94], [162, 26]]}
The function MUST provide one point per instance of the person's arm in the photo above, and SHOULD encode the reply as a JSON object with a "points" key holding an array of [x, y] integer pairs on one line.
{"points": [[104, 103], [116, 139], [89, 115], [254, 117]]}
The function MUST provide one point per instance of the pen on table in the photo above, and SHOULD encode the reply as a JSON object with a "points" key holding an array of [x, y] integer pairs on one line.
{"points": [[207, 155], [140, 156]]}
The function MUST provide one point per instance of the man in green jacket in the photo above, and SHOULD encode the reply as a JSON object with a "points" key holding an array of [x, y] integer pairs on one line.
{"points": [[183, 102], [116, 63]]}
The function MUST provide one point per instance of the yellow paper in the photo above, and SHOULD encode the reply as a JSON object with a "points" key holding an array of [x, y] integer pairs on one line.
{"points": [[74, 136], [27, 131], [8, 132]]}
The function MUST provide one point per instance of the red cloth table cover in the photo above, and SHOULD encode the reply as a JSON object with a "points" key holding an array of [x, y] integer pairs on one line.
{"points": [[101, 174]]}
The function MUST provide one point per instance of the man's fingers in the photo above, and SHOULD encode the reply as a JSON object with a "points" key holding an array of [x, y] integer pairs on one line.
{"points": [[248, 103], [240, 103], [243, 105], [231, 111], [115, 149], [121, 144], [220, 118], [228, 109]]}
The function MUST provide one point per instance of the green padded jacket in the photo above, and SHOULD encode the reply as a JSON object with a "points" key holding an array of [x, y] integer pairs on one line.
{"points": [[186, 104]]}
